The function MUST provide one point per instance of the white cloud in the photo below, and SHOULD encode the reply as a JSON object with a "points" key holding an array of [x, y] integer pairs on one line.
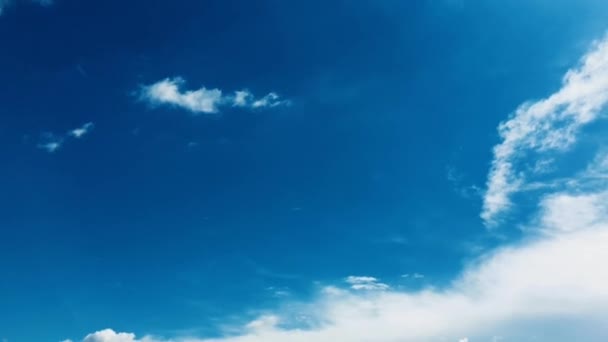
{"points": [[51, 142], [414, 275], [109, 335], [82, 130], [552, 286], [263, 323], [242, 98], [512, 292], [203, 100], [270, 100], [546, 125], [365, 283]]}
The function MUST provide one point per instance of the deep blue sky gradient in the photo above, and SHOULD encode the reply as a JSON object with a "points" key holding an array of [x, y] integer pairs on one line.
{"points": [[134, 229]]}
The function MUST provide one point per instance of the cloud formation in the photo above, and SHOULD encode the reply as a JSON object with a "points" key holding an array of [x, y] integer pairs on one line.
{"points": [[511, 293], [555, 282], [550, 124], [366, 283], [203, 100], [552, 286]]}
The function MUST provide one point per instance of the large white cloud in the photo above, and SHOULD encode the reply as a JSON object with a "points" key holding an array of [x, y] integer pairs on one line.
{"points": [[546, 125], [203, 100], [551, 287], [512, 292]]}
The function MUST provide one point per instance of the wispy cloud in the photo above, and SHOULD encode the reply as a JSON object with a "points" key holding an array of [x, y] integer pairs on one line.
{"points": [[550, 124], [366, 283], [413, 276], [82, 130], [51, 142], [203, 100]]}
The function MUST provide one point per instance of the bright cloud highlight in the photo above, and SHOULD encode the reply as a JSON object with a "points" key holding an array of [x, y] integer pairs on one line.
{"points": [[203, 100], [546, 125]]}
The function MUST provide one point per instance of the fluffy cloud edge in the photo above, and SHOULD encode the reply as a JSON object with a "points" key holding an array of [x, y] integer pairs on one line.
{"points": [[546, 125], [556, 275], [168, 92]]}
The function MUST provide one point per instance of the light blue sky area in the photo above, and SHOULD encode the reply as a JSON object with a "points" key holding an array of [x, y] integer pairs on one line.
{"points": [[247, 171]]}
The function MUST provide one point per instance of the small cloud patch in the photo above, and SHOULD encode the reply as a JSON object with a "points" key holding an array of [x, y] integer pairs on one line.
{"points": [[169, 92]]}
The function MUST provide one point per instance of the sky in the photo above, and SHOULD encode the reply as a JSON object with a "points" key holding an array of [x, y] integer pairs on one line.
{"points": [[358, 171]]}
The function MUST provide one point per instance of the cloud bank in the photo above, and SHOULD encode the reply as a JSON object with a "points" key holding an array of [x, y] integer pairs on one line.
{"points": [[206, 101], [553, 286], [514, 292]]}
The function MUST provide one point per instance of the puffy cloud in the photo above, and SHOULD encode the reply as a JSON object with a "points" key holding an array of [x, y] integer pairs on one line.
{"points": [[546, 125], [203, 100], [556, 283], [109, 335], [512, 292]]}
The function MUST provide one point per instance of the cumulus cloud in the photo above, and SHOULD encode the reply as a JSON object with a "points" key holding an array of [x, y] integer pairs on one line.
{"points": [[546, 125], [203, 100], [514, 292], [109, 335]]}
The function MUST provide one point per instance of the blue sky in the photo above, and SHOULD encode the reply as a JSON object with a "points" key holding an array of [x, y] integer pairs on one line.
{"points": [[239, 171]]}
